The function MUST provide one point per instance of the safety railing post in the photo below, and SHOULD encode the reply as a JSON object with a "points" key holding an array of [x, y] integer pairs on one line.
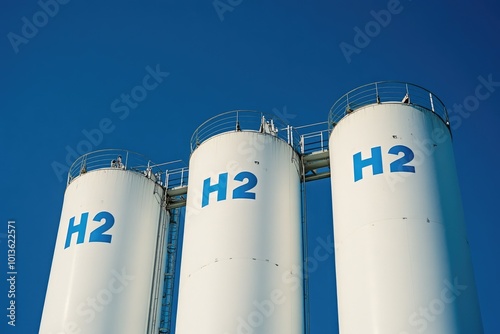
{"points": [[182, 176], [347, 106]]}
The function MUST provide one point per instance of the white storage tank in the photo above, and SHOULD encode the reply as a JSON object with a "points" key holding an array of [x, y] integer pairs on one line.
{"points": [[402, 257], [107, 267], [241, 268]]}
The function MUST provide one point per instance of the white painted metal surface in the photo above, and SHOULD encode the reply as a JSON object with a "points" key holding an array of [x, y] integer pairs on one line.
{"points": [[241, 269], [107, 266], [402, 257]]}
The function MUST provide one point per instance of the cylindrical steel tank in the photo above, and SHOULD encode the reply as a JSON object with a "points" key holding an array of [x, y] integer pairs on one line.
{"points": [[241, 268], [402, 257], [107, 266]]}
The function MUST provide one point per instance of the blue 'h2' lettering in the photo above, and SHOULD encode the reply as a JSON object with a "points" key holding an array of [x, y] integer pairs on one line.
{"points": [[375, 161], [80, 229], [220, 188]]}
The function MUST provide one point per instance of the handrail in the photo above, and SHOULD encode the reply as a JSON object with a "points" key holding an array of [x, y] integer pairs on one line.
{"points": [[386, 92], [245, 120], [175, 178], [113, 159]]}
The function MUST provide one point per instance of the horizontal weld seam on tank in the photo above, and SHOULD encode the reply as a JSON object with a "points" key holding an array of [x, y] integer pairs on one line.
{"points": [[230, 259]]}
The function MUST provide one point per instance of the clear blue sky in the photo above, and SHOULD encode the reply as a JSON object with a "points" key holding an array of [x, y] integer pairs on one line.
{"points": [[64, 72]]}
